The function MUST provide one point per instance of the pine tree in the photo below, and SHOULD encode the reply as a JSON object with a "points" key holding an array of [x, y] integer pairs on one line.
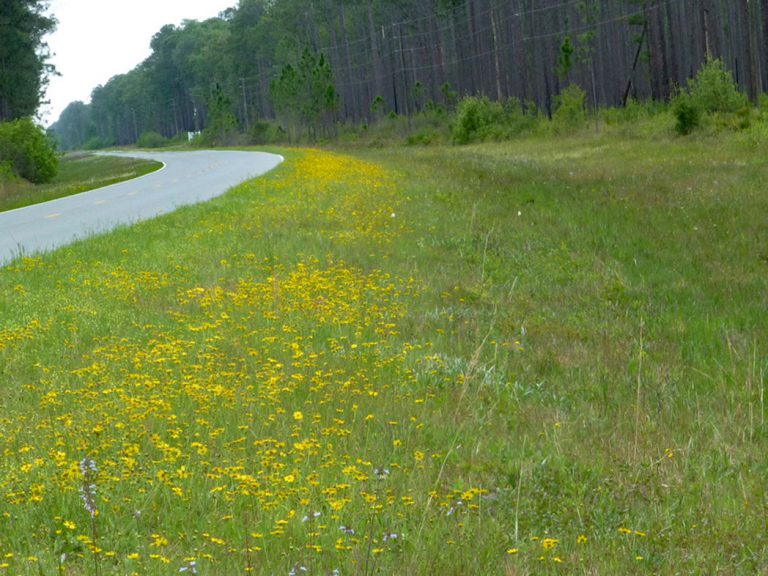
{"points": [[24, 67]]}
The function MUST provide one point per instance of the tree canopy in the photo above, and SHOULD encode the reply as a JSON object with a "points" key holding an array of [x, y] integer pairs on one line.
{"points": [[311, 64], [24, 67]]}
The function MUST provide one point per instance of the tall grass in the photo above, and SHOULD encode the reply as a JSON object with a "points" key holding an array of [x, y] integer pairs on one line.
{"points": [[527, 358]]}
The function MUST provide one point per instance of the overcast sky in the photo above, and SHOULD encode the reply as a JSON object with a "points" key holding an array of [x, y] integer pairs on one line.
{"points": [[97, 39]]}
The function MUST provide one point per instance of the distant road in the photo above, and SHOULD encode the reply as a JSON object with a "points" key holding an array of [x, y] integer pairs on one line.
{"points": [[186, 178]]}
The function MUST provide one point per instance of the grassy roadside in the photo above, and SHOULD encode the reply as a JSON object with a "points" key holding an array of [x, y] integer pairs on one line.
{"points": [[529, 358], [77, 173]]}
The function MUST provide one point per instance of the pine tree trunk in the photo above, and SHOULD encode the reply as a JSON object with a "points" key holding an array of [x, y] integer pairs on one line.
{"points": [[659, 76], [745, 51], [764, 42], [375, 53]]}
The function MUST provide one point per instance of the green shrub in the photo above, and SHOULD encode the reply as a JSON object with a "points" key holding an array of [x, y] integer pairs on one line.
{"points": [[473, 118], [570, 109], [714, 90], [632, 112], [480, 119], [97, 143], [265, 132], [687, 112], [7, 173], [25, 147], [151, 140]]}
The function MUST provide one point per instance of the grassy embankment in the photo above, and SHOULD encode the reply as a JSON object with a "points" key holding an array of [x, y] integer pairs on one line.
{"points": [[77, 173], [540, 357]]}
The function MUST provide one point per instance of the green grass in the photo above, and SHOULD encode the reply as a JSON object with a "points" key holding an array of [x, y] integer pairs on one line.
{"points": [[77, 173], [538, 357]]}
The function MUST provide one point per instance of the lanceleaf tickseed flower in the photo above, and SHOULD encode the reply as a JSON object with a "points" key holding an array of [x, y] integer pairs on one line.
{"points": [[549, 543]]}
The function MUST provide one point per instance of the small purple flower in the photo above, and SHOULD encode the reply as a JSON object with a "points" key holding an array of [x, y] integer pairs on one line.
{"points": [[390, 536], [311, 516], [88, 490], [88, 467], [88, 494], [347, 529]]}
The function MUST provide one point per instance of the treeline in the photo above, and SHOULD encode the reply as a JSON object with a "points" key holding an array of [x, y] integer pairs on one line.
{"points": [[314, 64], [24, 71]]}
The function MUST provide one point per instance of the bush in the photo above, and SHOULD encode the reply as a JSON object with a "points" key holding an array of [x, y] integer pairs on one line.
{"points": [[714, 89], [97, 143], [687, 113], [479, 119], [570, 110], [473, 119], [265, 132], [30, 154], [151, 140]]}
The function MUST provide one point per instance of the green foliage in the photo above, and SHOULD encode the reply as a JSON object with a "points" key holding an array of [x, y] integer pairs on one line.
{"points": [[378, 108], [473, 117], [265, 132], [304, 95], [564, 61], [151, 139], [222, 124], [480, 119], [7, 175], [451, 96], [687, 112], [633, 112], [74, 126], [762, 103], [713, 92], [24, 67], [570, 110], [98, 143], [25, 147], [714, 89]]}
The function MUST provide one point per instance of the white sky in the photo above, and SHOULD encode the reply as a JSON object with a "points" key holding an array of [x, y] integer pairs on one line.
{"points": [[98, 39]]}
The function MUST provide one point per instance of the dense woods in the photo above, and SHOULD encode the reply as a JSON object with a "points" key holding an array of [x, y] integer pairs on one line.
{"points": [[312, 65], [24, 70], [24, 67]]}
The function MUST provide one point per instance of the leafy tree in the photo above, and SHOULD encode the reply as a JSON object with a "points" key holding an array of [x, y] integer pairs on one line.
{"points": [[25, 147], [24, 67]]}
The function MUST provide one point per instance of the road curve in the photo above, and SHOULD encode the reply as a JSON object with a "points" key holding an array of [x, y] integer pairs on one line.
{"points": [[186, 178]]}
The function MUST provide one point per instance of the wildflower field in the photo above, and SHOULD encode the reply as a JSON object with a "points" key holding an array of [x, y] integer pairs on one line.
{"points": [[530, 358]]}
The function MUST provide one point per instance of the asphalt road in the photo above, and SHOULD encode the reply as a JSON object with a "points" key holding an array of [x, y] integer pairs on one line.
{"points": [[186, 178]]}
